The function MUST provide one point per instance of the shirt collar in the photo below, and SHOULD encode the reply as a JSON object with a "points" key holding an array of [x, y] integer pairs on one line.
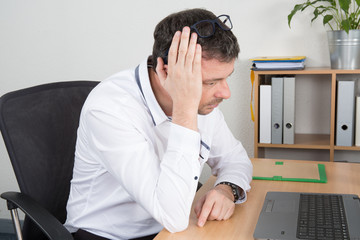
{"points": [[157, 113]]}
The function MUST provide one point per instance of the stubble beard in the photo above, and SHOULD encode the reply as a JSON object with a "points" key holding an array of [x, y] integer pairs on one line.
{"points": [[207, 108]]}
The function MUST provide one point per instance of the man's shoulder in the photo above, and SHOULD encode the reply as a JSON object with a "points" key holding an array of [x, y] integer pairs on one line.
{"points": [[118, 91]]}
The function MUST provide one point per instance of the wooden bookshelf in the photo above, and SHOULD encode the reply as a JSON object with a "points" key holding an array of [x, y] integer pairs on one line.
{"points": [[303, 141]]}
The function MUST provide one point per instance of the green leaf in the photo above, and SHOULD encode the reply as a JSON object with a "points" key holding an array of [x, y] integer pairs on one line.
{"points": [[332, 2], [345, 5], [327, 19], [316, 14], [323, 9], [294, 11], [345, 25], [305, 6], [344, 13]]}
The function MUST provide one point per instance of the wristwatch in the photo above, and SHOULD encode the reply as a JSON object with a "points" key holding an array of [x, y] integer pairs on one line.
{"points": [[234, 188]]}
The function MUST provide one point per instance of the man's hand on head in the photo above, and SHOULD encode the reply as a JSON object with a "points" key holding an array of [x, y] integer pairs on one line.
{"points": [[182, 78], [217, 204]]}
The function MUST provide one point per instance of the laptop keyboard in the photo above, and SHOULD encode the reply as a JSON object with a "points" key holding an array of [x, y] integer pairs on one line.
{"points": [[322, 216]]}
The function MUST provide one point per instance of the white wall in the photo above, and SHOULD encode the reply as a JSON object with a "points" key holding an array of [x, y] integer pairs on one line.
{"points": [[45, 41]]}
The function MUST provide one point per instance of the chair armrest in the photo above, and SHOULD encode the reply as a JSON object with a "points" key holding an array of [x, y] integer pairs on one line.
{"points": [[39, 215]]}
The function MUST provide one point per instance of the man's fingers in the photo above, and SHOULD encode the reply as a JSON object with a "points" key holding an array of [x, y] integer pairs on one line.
{"points": [[197, 59], [191, 51], [173, 50], [185, 52], [229, 213], [219, 212], [214, 206], [205, 212], [198, 206], [184, 44]]}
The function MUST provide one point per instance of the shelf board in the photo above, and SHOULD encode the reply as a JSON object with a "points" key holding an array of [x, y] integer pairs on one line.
{"points": [[352, 148], [304, 141], [323, 71]]}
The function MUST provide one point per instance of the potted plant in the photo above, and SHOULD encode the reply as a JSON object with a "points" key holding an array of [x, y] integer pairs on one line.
{"points": [[343, 18]]}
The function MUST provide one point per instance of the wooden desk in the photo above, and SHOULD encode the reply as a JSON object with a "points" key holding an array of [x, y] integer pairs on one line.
{"points": [[342, 178]]}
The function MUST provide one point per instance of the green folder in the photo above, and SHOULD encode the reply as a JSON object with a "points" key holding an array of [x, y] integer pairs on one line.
{"points": [[290, 171]]}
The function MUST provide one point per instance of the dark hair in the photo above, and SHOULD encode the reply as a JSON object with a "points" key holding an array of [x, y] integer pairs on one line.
{"points": [[222, 45]]}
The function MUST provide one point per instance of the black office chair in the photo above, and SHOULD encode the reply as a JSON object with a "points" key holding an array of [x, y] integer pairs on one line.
{"points": [[39, 125]]}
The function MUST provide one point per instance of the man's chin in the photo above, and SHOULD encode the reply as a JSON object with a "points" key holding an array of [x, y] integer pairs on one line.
{"points": [[205, 111]]}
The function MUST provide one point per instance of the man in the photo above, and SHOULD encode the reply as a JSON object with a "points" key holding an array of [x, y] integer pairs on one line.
{"points": [[145, 135]]}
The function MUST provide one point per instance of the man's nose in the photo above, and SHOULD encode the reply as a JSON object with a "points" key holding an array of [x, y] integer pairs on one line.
{"points": [[223, 91]]}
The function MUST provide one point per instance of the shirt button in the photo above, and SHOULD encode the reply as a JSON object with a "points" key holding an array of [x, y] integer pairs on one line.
{"points": [[196, 177]]}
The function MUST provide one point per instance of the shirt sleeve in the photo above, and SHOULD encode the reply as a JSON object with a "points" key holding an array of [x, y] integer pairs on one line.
{"points": [[164, 187], [228, 159]]}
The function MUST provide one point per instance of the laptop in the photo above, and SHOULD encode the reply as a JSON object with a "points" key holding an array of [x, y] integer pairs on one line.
{"points": [[294, 215]]}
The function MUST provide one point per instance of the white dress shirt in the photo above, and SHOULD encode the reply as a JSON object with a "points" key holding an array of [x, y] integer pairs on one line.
{"points": [[135, 171]]}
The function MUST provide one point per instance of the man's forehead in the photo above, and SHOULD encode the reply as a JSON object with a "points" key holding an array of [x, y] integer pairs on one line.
{"points": [[214, 69]]}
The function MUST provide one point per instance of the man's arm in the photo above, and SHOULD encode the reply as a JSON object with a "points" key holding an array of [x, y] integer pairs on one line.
{"points": [[182, 79], [164, 187], [230, 163]]}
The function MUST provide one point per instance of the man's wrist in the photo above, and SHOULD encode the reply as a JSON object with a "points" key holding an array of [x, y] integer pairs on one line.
{"points": [[235, 190], [225, 190], [186, 118]]}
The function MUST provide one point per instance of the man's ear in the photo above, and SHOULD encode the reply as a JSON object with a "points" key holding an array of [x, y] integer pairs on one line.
{"points": [[161, 70]]}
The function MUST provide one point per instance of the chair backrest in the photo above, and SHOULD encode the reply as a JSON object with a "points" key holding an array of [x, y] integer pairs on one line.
{"points": [[39, 126]]}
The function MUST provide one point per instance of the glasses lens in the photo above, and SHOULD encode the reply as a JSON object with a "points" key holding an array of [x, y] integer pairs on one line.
{"points": [[225, 22], [204, 28]]}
